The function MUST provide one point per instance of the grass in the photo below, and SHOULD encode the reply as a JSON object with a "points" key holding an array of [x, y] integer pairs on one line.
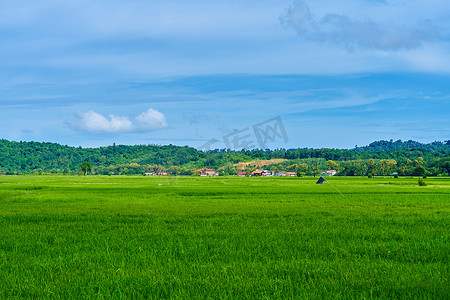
{"points": [[101, 237]]}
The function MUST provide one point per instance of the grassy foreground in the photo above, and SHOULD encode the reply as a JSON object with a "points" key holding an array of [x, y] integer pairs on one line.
{"points": [[196, 238]]}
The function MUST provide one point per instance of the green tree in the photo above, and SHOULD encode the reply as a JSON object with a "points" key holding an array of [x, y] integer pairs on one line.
{"points": [[315, 168], [86, 167], [444, 164], [386, 166], [301, 169], [332, 165], [420, 162], [371, 167], [419, 171]]}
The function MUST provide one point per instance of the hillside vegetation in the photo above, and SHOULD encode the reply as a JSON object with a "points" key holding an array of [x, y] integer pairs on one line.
{"points": [[378, 158]]}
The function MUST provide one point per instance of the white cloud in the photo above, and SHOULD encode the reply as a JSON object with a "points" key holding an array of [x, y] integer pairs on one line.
{"points": [[151, 120], [92, 121], [344, 31]]}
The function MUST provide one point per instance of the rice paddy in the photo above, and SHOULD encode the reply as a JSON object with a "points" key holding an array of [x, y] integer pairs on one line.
{"points": [[95, 237]]}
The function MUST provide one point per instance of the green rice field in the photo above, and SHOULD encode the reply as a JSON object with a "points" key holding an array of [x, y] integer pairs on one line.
{"points": [[114, 237]]}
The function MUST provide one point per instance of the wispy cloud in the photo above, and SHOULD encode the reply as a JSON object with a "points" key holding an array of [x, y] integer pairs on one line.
{"points": [[343, 31], [92, 121], [196, 118]]}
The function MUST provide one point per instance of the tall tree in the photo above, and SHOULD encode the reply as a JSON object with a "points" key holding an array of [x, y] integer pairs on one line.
{"points": [[86, 167]]}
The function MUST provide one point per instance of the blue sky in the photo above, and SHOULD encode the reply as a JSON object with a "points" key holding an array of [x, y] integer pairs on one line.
{"points": [[333, 73]]}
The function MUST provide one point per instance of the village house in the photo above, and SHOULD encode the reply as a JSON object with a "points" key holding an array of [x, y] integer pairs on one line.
{"points": [[210, 172], [284, 173], [268, 173], [256, 173], [261, 172], [201, 172], [328, 173]]}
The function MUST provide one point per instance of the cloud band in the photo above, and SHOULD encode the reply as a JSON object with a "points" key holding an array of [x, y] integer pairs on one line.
{"points": [[91, 121]]}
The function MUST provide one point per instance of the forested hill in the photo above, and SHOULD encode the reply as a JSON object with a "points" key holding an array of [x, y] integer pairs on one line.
{"points": [[28, 156], [399, 144], [38, 157]]}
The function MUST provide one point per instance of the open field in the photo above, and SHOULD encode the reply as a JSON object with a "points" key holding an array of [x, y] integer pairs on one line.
{"points": [[195, 237]]}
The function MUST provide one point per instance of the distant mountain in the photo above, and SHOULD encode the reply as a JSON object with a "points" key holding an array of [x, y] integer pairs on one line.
{"points": [[399, 144]]}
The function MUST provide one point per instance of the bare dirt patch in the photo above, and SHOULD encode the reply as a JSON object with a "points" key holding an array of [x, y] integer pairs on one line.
{"points": [[259, 163]]}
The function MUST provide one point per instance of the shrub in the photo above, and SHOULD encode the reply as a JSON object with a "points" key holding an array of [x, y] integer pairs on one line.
{"points": [[421, 182]]}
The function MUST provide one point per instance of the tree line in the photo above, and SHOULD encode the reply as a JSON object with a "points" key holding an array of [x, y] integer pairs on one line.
{"points": [[378, 158]]}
